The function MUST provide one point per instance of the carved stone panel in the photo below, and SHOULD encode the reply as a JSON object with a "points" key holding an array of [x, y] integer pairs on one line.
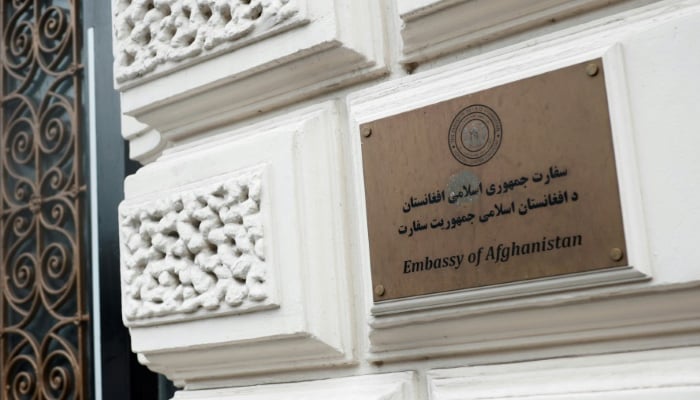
{"points": [[198, 249], [152, 33]]}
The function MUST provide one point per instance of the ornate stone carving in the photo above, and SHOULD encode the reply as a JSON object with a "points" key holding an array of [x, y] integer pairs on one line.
{"points": [[152, 32], [200, 249]]}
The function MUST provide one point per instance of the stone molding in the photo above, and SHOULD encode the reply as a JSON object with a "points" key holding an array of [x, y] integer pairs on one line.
{"points": [[433, 28], [635, 319], [151, 33], [199, 249], [394, 386], [646, 375]]}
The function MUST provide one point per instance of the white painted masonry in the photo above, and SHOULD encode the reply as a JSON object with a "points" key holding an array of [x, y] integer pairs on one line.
{"points": [[201, 248], [176, 33], [245, 258]]}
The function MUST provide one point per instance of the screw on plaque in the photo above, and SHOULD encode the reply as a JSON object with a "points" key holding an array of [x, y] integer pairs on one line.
{"points": [[616, 254], [592, 69], [366, 131], [379, 290]]}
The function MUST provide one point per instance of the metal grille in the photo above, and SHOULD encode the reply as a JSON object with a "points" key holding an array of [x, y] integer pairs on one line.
{"points": [[43, 302]]}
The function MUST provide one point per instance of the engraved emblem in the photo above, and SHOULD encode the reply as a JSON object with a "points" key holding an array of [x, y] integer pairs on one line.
{"points": [[475, 135]]}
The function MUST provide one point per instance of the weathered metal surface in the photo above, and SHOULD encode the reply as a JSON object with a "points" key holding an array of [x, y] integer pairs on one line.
{"points": [[512, 183]]}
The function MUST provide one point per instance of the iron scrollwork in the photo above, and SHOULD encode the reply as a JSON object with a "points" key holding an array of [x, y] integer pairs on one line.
{"points": [[43, 302]]}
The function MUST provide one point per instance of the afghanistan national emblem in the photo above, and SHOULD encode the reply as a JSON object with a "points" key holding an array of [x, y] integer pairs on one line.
{"points": [[475, 135]]}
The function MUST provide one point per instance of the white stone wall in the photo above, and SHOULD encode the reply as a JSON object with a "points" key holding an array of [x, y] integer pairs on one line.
{"points": [[245, 261]]}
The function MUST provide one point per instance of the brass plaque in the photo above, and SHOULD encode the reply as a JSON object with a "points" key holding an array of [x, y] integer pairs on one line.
{"points": [[512, 183]]}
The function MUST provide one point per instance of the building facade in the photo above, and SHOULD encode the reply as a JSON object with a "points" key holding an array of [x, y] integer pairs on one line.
{"points": [[249, 237]]}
